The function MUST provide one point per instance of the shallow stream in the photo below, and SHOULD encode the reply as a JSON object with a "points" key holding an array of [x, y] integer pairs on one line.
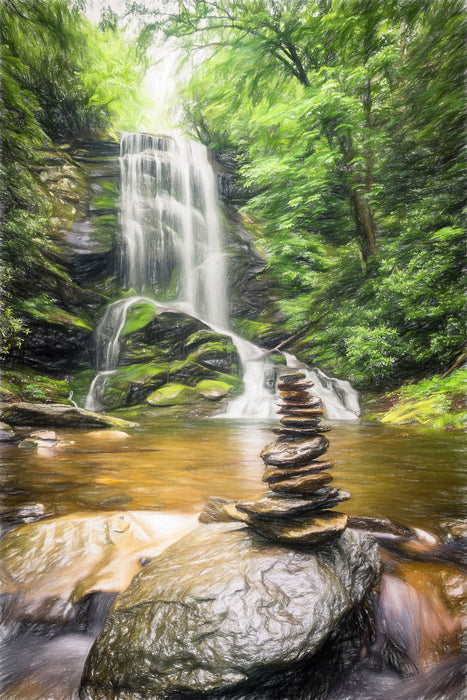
{"points": [[411, 476]]}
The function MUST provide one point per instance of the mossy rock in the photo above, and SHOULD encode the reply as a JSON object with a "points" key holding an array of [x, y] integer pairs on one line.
{"points": [[130, 385], [162, 338], [218, 356], [205, 336], [43, 309], [24, 384], [213, 390], [189, 372], [138, 316], [172, 395]]}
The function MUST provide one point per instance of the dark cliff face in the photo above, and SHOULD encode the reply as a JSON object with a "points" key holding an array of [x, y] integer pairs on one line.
{"points": [[253, 306], [81, 182]]}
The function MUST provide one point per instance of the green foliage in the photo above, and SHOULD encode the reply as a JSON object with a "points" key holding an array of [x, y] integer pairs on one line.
{"points": [[434, 402], [24, 384], [60, 78], [346, 124]]}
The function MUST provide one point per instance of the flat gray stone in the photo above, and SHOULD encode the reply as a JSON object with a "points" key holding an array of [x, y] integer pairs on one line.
{"points": [[272, 506], [276, 474], [308, 530], [7, 434], [301, 485]]}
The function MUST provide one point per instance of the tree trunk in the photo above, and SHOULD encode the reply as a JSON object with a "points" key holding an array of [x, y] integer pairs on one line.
{"points": [[364, 223]]}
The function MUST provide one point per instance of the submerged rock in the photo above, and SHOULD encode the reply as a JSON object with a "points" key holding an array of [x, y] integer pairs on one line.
{"points": [[59, 416], [220, 613], [7, 434], [49, 566]]}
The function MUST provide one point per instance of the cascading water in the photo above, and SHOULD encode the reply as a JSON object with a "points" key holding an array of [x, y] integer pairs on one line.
{"points": [[172, 239], [172, 249], [107, 342]]}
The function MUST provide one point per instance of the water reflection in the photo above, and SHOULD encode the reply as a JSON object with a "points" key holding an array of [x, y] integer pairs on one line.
{"points": [[412, 476]]}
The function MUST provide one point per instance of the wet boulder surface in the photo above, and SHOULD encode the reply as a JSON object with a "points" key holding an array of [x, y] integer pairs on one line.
{"points": [[223, 613]]}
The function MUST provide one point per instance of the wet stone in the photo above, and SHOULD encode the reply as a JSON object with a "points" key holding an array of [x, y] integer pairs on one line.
{"points": [[302, 433], [214, 512], [310, 420], [306, 530], [275, 474], [295, 396], [7, 434], [287, 454], [292, 409], [291, 378], [301, 485], [46, 435], [223, 613], [272, 506], [296, 386]]}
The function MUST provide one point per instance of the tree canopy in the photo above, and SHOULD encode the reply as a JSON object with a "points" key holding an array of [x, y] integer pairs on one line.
{"points": [[346, 123], [61, 78]]}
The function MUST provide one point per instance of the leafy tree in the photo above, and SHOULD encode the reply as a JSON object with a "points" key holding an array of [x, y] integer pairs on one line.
{"points": [[346, 120], [60, 78]]}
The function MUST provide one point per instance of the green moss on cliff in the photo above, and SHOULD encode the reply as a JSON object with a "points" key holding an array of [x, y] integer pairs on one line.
{"points": [[436, 402], [24, 384]]}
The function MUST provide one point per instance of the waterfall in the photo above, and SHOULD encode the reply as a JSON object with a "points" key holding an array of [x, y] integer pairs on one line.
{"points": [[339, 398], [172, 238], [172, 249]]}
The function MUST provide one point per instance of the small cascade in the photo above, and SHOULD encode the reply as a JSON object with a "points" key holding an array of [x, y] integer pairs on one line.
{"points": [[107, 341], [172, 248], [259, 376], [339, 398]]}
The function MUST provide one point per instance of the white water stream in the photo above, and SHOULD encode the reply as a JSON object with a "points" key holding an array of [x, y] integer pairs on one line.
{"points": [[173, 249]]}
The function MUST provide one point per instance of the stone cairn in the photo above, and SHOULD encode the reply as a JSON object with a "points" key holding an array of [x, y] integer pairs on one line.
{"points": [[297, 507]]}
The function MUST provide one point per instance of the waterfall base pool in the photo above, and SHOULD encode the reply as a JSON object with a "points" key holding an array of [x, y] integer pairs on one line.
{"points": [[414, 477]]}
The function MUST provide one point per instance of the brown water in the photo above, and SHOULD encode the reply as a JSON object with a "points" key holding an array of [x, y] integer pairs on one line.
{"points": [[415, 477]]}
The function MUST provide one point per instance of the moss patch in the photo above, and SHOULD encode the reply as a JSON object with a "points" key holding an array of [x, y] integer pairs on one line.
{"points": [[205, 336], [172, 395], [213, 390], [138, 316], [24, 384], [42, 309], [437, 403]]}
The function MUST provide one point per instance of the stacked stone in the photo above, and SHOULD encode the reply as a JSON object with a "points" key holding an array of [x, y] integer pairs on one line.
{"points": [[297, 507]]}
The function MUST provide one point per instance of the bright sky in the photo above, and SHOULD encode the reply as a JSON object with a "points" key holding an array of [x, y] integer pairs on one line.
{"points": [[94, 8]]}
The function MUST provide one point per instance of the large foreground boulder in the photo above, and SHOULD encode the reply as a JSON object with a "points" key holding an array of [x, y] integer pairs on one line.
{"points": [[223, 613]]}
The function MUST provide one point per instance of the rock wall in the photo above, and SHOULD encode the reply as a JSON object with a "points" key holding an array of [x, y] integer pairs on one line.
{"points": [[82, 180]]}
